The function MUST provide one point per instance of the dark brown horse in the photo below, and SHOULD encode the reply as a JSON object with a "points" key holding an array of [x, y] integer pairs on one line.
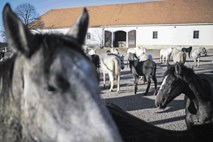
{"points": [[198, 89], [133, 129], [146, 69]]}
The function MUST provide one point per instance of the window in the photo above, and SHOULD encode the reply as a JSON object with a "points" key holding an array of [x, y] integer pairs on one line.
{"points": [[196, 34], [155, 34], [88, 36]]}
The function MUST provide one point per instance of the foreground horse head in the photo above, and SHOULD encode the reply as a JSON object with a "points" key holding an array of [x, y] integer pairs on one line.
{"points": [[53, 89]]}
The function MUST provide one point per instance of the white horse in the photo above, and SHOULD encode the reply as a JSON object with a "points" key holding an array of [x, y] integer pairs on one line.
{"points": [[137, 50], [146, 56], [165, 53], [179, 57], [175, 51], [92, 52], [196, 54], [112, 65], [114, 51]]}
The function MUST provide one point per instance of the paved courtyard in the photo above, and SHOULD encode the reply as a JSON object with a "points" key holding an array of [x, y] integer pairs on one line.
{"points": [[143, 107]]}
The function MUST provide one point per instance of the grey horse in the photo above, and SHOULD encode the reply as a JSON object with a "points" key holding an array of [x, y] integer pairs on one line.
{"points": [[49, 88]]}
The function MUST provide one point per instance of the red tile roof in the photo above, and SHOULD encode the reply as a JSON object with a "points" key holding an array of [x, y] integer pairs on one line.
{"points": [[158, 12]]}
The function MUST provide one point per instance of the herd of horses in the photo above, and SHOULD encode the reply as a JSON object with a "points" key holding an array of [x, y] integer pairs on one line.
{"points": [[50, 92]]}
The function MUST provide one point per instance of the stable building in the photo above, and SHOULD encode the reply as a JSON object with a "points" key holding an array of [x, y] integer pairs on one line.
{"points": [[151, 24]]}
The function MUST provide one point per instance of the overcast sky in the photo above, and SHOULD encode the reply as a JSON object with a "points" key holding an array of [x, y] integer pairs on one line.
{"points": [[43, 6]]}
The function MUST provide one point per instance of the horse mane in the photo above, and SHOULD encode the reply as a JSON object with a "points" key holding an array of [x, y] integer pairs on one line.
{"points": [[171, 69], [51, 42], [6, 72]]}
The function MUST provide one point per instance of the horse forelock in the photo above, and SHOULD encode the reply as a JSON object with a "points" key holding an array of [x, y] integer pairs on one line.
{"points": [[50, 43]]}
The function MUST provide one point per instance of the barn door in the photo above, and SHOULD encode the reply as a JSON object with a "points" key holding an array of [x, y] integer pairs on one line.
{"points": [[108, 39], [132, 38]]}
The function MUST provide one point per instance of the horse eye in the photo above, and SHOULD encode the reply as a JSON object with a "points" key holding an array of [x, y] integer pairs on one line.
{"points": [[51, 88]]}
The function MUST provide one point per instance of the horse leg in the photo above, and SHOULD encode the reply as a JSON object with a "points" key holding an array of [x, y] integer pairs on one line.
{"points": [[98, 73], [198, 62], [136, 84], [167, 59], [148, 86], [118, 83], [111, 78], [104, 79], [144, 79], [195, 62], [155, 83]]}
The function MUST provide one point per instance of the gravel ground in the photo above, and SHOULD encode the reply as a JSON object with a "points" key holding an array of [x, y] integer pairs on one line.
{"points": [[143, 107]]}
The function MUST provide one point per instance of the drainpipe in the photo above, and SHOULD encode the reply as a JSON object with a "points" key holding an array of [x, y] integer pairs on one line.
{"points": [[103, 37], [127, 41]]}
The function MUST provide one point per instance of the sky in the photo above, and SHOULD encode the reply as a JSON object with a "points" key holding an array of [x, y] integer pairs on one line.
{"points": [[43, 6]]}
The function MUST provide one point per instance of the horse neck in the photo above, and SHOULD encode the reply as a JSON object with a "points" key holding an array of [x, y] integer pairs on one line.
{"points": [[190, 94], [200, 88], [129, 124]]}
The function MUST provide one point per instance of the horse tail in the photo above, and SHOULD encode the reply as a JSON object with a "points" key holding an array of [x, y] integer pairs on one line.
{"points": [[117, 67]]}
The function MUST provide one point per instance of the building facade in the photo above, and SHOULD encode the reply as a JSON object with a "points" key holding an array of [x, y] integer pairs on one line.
{"points": [[154, 24]]}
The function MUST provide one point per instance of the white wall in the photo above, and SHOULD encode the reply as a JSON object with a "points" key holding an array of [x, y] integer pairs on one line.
{"points": [[96, 36], [167, 34], [175, 35]]}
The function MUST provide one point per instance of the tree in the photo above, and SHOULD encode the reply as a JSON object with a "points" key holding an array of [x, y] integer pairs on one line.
{"points": [[3, 35], [26, 12]]}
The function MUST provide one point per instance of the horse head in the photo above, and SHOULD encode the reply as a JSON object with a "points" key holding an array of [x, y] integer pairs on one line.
{"points": [[171, 87], [57, 85], [204, 51]]}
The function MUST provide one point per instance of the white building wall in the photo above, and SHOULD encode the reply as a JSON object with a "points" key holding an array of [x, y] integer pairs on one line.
{"points": [[96, 36], [175, 35], [167, 34], [144, 35]]}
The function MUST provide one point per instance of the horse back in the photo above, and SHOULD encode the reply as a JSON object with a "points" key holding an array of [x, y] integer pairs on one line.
{"points": [[142, 68], [111, 64]]}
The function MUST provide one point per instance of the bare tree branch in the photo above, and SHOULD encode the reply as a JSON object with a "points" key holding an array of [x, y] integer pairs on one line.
{"points": [[26, 12]]}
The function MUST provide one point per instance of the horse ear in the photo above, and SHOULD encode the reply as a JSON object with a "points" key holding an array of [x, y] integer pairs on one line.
{"points": [[178, 68], [17, 33], [79, 30]]}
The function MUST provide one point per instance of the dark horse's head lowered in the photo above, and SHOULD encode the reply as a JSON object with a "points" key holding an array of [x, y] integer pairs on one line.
{"points": [[53, 93]]}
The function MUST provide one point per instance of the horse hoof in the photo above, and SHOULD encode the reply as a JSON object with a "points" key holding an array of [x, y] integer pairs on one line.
{"points": [[111, 90]]}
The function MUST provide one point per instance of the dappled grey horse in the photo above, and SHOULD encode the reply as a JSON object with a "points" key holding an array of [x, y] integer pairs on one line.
{"points": [[49, 89]]}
